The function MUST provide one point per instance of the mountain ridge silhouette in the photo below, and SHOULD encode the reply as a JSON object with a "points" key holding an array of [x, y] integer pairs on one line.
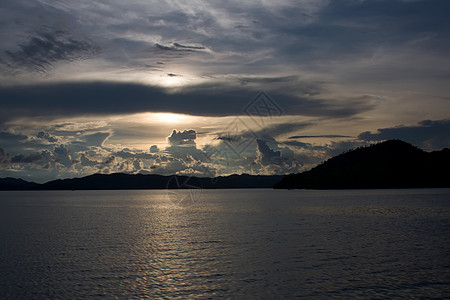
{"points": [[143, 181], [389, 164]]}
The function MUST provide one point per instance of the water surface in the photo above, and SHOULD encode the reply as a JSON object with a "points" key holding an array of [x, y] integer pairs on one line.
{"points": [[225, 243]]}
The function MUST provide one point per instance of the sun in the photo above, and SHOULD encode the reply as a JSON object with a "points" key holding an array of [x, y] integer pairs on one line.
{"points": [[172, 80], [169, 118]]}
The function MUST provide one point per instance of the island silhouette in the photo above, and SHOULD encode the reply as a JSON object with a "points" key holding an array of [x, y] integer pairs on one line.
{"points": [[389, 164]]}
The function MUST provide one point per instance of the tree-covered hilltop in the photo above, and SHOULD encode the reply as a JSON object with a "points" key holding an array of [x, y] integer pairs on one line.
{"points": [[390, 164]]}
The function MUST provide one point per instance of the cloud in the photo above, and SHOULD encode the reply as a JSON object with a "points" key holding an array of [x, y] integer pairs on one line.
{"points": [[428, 134], [283, 128], [62, 156], [86, 161], [46, 47], [186, 137], [103, 98], [154, 149], [26, 159], [299, 144], [8, 137], [47, 136], [232, 37], [109, 160], [180, 166], [5, 158], [96, 139], [265, 155], [11, 141], [269, 161], [178, 47], [188, 47], [326, 136]]}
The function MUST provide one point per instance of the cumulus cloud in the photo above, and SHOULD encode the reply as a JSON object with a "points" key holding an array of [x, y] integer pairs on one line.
{"points": [[154, 149], [266, 155], [109, 160], [179, 138], [86, 161], [269, 161], [47, 136], [62, 155]]}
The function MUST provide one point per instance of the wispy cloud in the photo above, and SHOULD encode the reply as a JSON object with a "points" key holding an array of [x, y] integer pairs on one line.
{"points": [[45, 48]]}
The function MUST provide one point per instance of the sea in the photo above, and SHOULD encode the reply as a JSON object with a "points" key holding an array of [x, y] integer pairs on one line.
{"points": [[233, 244]]}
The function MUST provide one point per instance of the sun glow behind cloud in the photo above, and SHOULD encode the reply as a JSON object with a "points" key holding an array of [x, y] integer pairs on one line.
{"points": [[169, 118]]}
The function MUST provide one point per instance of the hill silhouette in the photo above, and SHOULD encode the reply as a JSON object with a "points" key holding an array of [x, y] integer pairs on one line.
{"points": [[140, 181], [390, 164], [9, 183]]}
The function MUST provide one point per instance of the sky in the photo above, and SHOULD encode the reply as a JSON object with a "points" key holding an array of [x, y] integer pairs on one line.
{"points": [[210, 88]]}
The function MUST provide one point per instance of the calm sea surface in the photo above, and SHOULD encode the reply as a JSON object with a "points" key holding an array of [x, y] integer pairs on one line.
{"points": [[225, 243]]}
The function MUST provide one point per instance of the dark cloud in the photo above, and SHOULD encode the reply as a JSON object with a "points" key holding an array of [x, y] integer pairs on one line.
{"points": [[268, 80], [109, 160], [86, 161], [71, 99], [265, 155], [327, 136], [231, 138], [6, 137], [5, 158], [154, 149], [168, 48], [357, 28], [175, 50], [10, 141], [177, 45], [46, 47], [45, 135], [26, 159], [428, 134], [62, 156]]}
